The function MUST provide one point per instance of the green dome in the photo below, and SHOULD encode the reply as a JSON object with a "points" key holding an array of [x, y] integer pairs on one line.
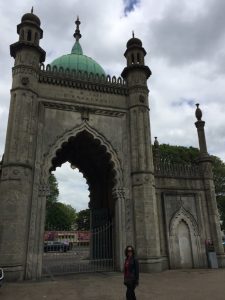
{"points": [[77, 61]]}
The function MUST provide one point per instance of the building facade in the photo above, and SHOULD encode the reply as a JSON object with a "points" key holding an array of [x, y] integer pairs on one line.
{"points": [[71, 111]]}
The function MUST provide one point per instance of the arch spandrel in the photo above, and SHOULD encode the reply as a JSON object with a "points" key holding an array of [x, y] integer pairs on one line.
{"points": [[64, 138], [183, 215]]}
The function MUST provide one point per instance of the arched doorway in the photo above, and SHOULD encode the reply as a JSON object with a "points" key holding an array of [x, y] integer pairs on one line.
{"points": [[87, 154], [184, 242]]}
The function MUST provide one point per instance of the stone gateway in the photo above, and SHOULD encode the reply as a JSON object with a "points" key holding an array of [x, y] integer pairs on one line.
{"points": [[71, 111]]}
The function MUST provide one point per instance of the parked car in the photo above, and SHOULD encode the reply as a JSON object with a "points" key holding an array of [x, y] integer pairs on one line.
{"points": [[55, 246]]}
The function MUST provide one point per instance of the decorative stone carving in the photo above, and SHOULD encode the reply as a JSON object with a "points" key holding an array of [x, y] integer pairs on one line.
{"points": [[183, 214], [198, 113], [72, 133], [83, 81], [25, 80], [122, 194], [25, 70], [14, 172], [142, 99], [97, 111], [163, 169], [44, 190], [85, 114], [206, 169]]}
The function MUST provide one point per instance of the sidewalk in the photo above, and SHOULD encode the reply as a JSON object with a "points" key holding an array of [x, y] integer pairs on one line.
{"points": [[170, 285]]}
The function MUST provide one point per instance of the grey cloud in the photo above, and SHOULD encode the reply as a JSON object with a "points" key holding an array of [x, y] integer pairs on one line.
{"points": [[129, 5], [185, 39]]}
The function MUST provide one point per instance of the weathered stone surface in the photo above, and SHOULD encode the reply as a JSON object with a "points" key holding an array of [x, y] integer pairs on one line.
{"points": [[104, 123]]}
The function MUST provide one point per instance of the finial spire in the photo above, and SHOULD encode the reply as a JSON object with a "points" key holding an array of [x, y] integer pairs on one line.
{"points": [[198, 112], [32, 9], [77, 34], [156, 153], [201, 132], [133, 33], [156, 142]]}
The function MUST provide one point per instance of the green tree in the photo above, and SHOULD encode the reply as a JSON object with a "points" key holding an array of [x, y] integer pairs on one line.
{"points": [[83, 219], [53, 189], [178, 154], [59, 216], [219, 180]]}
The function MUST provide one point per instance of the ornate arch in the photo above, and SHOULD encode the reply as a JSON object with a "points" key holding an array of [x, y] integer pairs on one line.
{"points": [[57, 144], [183, 215]]}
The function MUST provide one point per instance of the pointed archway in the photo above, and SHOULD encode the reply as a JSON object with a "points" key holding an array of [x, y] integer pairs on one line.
{"points": [[184, 240], [86, 149]]}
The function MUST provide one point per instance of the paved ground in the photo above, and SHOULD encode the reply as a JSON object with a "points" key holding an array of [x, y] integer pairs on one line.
{"points": [[170, 285]]}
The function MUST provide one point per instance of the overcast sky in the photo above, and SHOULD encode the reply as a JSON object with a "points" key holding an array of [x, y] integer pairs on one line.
{"points": [[185, 44]]}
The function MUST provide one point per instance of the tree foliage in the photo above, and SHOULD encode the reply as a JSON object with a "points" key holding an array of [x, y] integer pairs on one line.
{"points": [[219, 180], [59, 216], [83, 219], [178, 154], [54, 190], [188, 155]]}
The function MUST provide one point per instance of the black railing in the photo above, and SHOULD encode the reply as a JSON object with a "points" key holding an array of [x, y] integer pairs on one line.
{"points": [[74, 251]]}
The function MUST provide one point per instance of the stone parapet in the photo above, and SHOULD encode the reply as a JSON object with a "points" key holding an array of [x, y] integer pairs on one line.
{"points": [[177, 170], [82, 80]]}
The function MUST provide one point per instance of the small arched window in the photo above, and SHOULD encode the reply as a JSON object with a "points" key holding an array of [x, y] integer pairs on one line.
{"points": [[132, 58], [29, 35], [138, 58], [36, 38], [22, 35]]}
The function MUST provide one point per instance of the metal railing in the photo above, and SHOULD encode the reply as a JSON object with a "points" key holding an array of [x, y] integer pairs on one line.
{"points": [[66, 252]]}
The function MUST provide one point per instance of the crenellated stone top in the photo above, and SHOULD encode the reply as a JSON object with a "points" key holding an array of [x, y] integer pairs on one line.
{"points": [[77, 79]]}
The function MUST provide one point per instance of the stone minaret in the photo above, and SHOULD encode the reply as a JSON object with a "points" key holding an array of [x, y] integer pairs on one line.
{"points": [[142, 171], [205, 162], [19, 157]]}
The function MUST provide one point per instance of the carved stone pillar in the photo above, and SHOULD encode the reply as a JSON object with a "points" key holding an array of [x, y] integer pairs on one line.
{"points": [[15, 191], [119, 226], [205, 162]]}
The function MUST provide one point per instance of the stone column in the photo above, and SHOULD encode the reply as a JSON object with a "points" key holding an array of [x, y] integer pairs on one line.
{"points": [[20, 150], [119, 227], [205, 162], [142, 171]]}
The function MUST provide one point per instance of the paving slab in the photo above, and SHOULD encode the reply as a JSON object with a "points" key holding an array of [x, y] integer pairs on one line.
{"points": [[169, 285]]}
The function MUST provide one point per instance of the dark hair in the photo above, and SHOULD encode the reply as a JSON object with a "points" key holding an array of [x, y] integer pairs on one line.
{"points": [[126, 250]]}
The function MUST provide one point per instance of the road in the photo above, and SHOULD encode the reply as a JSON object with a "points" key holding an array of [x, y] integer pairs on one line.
{"points": [[169, 285]]}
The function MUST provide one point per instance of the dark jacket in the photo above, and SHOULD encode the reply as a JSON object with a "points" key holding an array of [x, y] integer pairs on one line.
{"points": [[133, 269]]}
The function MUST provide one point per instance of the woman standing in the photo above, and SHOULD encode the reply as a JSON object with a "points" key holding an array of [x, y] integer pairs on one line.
{"points": [[131, 272]]}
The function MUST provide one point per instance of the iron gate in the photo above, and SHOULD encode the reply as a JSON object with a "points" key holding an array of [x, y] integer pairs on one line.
{"points": [[78, 251]]}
